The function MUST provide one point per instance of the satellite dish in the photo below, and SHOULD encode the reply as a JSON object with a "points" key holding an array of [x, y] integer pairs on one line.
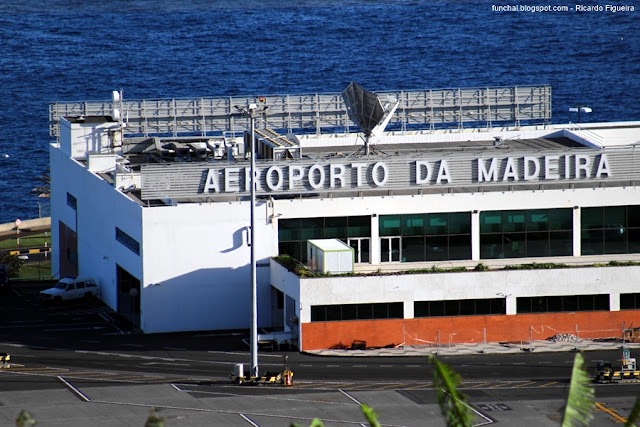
{"points": [[367, 110]]}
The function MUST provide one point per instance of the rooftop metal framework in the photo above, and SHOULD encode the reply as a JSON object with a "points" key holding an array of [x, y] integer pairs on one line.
{"points": [[315, 113]]}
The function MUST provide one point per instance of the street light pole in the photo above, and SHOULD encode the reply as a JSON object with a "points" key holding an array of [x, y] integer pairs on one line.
{"points": [[253, 111], [254, 281]]}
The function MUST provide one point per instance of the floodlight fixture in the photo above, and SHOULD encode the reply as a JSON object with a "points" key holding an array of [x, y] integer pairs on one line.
{"points": [[580, 109]]}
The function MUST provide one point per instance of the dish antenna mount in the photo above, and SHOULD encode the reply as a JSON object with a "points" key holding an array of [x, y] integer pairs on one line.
{"points": [[368, 111]]}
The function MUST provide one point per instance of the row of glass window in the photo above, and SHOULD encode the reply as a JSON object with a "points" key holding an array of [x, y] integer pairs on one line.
{"points": [[425, 224], [562, 303], [630, 301], [471, 307], [465, 307], [447, 236], [610, 230], [384, 310], [352, 230]]}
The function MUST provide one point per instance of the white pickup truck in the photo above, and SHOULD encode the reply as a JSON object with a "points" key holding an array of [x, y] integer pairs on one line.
{"points": [[71, 288]]}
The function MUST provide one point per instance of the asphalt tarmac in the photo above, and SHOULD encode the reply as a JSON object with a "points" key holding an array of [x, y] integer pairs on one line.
{"points": [[80, 364]]}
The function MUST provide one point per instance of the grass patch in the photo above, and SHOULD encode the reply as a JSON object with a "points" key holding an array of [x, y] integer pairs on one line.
{"points": [[35, 271], [28, 241]]}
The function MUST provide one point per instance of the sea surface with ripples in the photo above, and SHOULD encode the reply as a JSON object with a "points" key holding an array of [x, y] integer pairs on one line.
{"points": [[63, 50]]}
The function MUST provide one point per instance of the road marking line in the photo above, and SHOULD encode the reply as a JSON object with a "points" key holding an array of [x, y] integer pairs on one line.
{"points": [[350, 397], [478, 385], [336, 385], [411, 366], [522, 385], [500, 385], [611, 412], [390, 386], [359, 366], [297, 385], [551, 383], [416, 387], [248, 420], [355, 387], [75, 390]]}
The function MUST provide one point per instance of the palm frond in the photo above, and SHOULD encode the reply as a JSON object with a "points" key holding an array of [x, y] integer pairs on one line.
{"points": [[452, 402], [580, 399], [371, 415], [634, 416]]}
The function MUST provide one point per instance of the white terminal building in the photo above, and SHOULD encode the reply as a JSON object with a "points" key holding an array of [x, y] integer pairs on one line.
{"points": [[461, 215]]}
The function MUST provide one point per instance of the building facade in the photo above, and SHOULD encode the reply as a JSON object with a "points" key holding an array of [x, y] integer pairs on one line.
{"points": [[449, 223]]}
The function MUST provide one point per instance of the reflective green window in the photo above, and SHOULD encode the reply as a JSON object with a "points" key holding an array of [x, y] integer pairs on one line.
{"points": [[538, 220], [512, 221], [560, 219], [390, 225], [335, 227], [491, 222], [311, 228], [591, 218], [359, 226], [459, 223], [412, 225], [288, 229], [436, 224], [526, 233]]}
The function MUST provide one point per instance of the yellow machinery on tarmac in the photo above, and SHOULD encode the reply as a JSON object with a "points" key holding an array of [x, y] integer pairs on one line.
{"points": [[607, 373], [4, 358], [285, 378]]}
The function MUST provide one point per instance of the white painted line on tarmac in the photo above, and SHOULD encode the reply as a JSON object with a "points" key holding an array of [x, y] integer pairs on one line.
{"points": [[350, 397], [133, 345], [244, 354], [248, 420], [358, 366], [75, 390], [411, 366], [333, 366]]}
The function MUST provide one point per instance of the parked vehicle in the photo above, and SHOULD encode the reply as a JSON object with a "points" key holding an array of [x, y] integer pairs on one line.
{"points": [[71, 288]]}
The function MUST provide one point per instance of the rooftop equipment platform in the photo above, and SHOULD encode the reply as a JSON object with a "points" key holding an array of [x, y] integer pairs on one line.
{"points": [[316, 113]]}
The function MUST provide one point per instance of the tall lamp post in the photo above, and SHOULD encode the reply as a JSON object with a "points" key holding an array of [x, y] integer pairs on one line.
{"points": [[253, 111]]}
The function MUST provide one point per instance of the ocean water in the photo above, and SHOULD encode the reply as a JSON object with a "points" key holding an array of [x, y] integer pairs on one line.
{"points": [[63, 50]]}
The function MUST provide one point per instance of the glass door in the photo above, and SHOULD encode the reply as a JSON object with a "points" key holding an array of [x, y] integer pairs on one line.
{"points": [[390, 249]]}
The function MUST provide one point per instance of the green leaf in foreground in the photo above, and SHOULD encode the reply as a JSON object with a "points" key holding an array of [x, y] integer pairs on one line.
{"points": [[371, 415], [453, 404], [580, 400], [634, 416]]}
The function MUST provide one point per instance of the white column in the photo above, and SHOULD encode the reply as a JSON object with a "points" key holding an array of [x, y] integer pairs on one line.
{"points": [[511, 305], [577, 225], [475, 236], [374, 244], [614, 302], [408, 309]]}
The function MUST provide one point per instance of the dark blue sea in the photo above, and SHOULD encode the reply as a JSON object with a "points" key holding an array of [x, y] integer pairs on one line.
{"points": [[63, 50]]}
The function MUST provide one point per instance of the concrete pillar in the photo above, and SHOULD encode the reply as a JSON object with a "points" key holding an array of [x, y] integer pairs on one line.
{"points": [[614, 302], [511, 305], [475, 236], [577, 225], [374, 245]]}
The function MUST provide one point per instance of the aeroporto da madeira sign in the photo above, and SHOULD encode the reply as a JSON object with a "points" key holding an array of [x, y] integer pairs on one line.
{"points": [[189, 180], [376, 174]]}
